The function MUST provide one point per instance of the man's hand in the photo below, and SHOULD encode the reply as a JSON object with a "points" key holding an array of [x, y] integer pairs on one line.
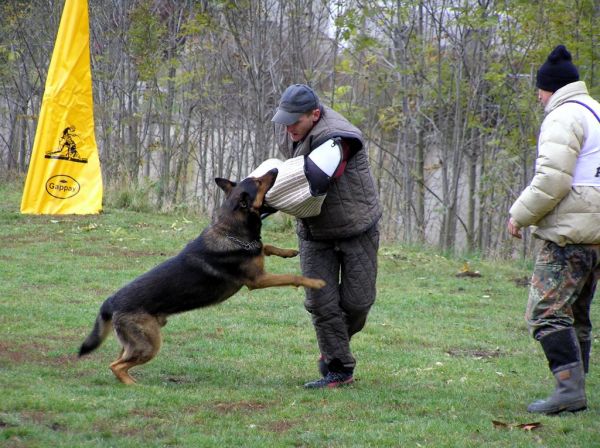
{"points": [[513, 228]]}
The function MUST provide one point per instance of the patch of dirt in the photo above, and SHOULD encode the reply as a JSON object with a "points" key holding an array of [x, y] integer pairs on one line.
{"points": [[10, 241], [140, 253], [239, 406], [34, 353], [217, 334], [146, 413], [280, 426], [109, 251], [477, 353], [37, 417], [174, 379], [9, 354]]}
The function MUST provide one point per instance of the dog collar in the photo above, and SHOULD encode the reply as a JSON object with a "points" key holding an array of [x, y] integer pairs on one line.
{"points": [[248, 245]]}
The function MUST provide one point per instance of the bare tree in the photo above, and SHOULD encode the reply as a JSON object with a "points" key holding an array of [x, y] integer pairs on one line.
{"points": [[184, 92]]}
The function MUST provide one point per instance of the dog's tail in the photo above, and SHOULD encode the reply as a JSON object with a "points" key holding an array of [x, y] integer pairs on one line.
{"points": [[102, 327]]}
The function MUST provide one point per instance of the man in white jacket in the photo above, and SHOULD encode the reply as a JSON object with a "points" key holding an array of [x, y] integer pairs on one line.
{"points": [[562, 205]]}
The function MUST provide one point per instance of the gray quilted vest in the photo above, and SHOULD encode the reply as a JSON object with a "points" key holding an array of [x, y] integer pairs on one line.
{"points": [[352, 204]]}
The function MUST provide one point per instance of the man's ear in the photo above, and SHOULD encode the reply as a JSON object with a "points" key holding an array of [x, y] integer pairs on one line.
{"points": [[316, 114], [224, 184]]}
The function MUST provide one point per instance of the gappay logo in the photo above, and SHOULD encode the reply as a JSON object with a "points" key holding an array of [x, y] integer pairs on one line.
{"points": [[62, 186]]}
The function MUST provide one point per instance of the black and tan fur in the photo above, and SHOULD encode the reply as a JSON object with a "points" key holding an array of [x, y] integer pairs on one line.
{"points": [[226, 256]]}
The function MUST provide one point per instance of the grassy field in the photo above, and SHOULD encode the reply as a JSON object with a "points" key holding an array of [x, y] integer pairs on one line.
{"points": [[441, 359]]}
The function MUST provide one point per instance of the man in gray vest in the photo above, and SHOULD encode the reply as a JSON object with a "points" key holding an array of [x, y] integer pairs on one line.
{"points": [[340, 244]]}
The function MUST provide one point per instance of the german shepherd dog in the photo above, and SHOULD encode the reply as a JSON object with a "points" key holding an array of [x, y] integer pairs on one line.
{"points": [[227, 255]]}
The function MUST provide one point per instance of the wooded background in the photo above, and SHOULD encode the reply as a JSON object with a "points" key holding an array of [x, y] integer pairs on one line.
{"points": [[443, 90]]}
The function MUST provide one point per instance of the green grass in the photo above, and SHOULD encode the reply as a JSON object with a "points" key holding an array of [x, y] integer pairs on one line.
{"points": [[441, 357]]}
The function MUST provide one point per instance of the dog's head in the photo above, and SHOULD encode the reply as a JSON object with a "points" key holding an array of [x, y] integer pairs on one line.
{"points": [[246, 198]]}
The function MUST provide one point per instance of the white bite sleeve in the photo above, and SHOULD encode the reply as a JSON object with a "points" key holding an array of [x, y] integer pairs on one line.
{"points": [[327, 156], [291, 192]]}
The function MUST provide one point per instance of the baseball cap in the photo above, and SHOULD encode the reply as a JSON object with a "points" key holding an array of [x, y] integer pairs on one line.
{"points": [[295, 101]]}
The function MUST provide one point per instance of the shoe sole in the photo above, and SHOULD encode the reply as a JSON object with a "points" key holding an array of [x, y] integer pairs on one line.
{"points": [[331, 385], [577, 407], [571, 410], [341, 383]]}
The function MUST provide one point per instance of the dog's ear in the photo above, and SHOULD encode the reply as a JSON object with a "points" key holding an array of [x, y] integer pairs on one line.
{"points": [[224, 184], [265, 182], [269, 178]]}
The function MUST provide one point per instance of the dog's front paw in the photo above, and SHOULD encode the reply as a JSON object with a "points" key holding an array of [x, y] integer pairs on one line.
{"points": [[315, 283], [284, 253], [287, 253]]}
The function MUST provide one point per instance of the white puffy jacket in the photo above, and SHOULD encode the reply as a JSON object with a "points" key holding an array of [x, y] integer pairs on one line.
{"points": [[558, 210]]}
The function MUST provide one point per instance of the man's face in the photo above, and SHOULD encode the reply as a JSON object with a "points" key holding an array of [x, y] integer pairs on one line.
{"points": [[299, 129], [544, 96]]}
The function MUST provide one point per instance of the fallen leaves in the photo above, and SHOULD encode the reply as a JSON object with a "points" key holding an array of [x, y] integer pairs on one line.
{"points": [[524, 426], [466, 271]]}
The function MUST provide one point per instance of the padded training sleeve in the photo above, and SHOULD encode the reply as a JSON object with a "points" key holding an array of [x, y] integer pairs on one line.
{"points": [[321, 165]]}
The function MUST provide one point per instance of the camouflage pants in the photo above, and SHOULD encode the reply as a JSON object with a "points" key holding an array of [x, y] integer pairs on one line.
{"points": [[562, 288]]}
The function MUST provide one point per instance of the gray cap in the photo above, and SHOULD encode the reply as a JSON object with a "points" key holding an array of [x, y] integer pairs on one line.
{"points": [[295, 101]]}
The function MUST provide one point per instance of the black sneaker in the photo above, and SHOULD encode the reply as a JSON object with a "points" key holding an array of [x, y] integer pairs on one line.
{"points": [[323, 368], [331, 380]]}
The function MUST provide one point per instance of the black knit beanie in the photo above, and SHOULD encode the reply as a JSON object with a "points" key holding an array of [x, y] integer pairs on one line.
{"points": [[557, 71]]}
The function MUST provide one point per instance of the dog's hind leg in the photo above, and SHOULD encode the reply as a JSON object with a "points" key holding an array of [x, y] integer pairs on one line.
{"points": [[119, 357], [140, 336]]}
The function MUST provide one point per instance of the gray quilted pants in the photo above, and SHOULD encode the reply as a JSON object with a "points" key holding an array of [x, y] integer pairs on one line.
{"points": [[340, 309]]}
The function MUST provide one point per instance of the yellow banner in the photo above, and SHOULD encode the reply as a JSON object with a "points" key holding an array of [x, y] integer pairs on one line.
{"points": [[64, 171]]}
